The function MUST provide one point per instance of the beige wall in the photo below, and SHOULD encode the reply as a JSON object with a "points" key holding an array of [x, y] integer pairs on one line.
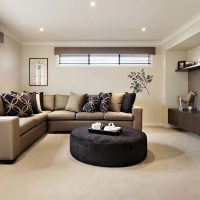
{"points": [[10, 65], [194, 76], [95, 79], [175, 83]]}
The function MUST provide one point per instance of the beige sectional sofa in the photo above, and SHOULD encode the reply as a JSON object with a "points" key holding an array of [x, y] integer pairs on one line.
{"points": [[17, 134]]}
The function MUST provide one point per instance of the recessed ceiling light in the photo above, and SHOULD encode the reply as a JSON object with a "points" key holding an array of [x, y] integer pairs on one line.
{"points": [[41, 29], [92, 3], [143, 29]]}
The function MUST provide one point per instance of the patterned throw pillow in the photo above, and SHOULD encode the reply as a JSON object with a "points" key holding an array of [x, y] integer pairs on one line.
{"points": [[105, 101], [33, 99], [17, 105], [92, 104], [39, 101]]}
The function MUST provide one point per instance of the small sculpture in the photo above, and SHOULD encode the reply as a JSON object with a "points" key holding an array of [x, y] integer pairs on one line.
{"points": [[180, 106], [187, 101]]}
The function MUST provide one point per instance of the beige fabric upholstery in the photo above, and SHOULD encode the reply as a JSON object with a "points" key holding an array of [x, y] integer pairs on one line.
{"points": [[61, 115], [89, 116], [119, 116], [61, 101], [1, 107], [137, 113], [116, 102], [32, 135], [75, 102], [55, 126], [26, 123], [41, 117], [48, 102], [9, 138]]}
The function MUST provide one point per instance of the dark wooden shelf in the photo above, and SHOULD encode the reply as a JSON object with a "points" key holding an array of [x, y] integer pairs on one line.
{"points": [[186, 120], [190, 68]]}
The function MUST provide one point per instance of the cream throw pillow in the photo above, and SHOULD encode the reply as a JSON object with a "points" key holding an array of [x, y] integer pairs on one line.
{"points": [[75, 102], [116, 102], [38, 103]]}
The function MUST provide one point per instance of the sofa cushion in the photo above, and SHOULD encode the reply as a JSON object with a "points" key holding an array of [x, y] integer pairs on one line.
{"points": [[26, 123], [118, 116], [2, 112], [92, 104], [61, 101], [17, 104], [116, 102], [127, 102], [89, 116], [48, 102], [61, 115], [41, 117], [75, 102], [105, 101]]}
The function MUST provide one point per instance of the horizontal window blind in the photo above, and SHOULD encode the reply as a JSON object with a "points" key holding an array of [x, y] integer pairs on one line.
{"points": [[104, 50], [105, 55], [73, 59], [104, 59], [135, 59]]}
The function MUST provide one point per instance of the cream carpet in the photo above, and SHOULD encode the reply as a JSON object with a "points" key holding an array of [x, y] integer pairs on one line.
{"points": [[48, 172]]}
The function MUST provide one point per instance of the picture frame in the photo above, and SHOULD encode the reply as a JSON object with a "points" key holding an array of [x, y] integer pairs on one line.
{"points": [[181, 64], [38, 71]]}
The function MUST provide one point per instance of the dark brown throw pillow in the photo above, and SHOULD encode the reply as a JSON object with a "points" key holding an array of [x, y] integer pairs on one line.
{"points": [[17, 104], [2, 112], [33, 100], [105, 101], [39, 97], [127, 102], [92, 104]]}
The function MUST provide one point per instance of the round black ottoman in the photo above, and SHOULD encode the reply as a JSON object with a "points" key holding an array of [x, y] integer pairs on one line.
{"points": [[129, 148]]}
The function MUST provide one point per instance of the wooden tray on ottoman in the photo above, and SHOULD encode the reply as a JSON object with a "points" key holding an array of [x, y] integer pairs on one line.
{"points": [[103, 132]]}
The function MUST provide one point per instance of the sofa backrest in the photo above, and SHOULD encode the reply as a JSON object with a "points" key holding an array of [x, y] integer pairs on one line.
{"points": [[60, 101], [55, 102], [48, 101], [2, 112]]}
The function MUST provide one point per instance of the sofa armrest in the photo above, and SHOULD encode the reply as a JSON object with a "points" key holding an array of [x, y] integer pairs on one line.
{"points": [[137, 117], [9, 138]]}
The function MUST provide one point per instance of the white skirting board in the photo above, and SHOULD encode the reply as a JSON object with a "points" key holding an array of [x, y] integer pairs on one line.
{"points": [[158, 125]]}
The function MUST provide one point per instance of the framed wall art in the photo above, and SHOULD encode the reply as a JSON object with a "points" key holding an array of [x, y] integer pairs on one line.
{"points": [[38, 71], [181, 64]]}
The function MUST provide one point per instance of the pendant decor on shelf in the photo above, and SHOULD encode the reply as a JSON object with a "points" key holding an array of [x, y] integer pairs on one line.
{"points": [[140, 81]]}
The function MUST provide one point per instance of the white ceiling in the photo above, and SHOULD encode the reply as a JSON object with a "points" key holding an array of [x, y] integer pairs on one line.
{"points": [[110, 20], [189, 43]]}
